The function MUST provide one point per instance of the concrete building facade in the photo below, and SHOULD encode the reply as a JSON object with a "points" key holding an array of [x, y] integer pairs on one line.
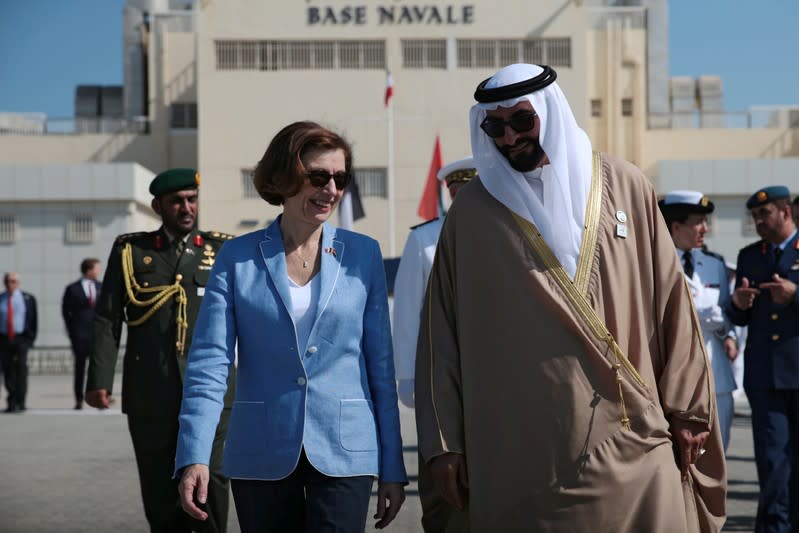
{"points": [[208, 83]]}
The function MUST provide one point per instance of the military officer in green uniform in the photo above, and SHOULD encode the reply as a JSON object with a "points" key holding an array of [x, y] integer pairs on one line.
{"points": [[155, 282]]}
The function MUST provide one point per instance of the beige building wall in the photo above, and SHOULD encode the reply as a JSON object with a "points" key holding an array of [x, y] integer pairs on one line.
{"points": [[240, 110]]}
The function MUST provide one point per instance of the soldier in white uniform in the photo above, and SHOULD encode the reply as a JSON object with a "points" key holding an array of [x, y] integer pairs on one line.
{"points": [[409, 288], [686, 214]]}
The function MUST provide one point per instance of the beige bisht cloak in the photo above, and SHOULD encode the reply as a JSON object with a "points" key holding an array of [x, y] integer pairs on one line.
{"points": [[515, 369]]}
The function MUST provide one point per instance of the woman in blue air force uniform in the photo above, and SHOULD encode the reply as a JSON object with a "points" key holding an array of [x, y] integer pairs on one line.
{"points": [[315, 416]]}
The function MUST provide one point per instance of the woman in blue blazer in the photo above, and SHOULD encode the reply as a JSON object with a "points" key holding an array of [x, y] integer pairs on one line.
{"points": [[315, 416]]}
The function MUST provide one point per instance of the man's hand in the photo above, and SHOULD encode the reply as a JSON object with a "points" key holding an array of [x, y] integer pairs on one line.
{"points": [[731, 348], [782, 290], [99, 398], [405, 392], [744, 296], [194, 482], [690, 438], [394, 495], [451, 480]]}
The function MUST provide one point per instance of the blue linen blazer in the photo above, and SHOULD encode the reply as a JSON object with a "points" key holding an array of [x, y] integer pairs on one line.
{"points": [[337, 399]]}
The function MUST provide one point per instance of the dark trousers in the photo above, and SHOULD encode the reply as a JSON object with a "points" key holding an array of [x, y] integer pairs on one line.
{"points": [[14, 358], [80, 352], [155, 444], [436, 511], [775, 428], [305, 501]]}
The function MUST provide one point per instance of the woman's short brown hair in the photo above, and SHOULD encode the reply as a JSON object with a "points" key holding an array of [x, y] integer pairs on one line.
{"points": [[280, 172]]}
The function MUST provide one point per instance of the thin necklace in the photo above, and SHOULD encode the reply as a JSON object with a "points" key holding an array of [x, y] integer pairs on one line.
{"points": [[305, 262]]}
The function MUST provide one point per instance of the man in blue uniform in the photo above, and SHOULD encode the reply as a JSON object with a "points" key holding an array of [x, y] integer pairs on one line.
{"points": [[686, 214], [765, 299]]}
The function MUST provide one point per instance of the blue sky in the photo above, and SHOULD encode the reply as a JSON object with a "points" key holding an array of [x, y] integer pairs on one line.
{"points": [[47, 47]]}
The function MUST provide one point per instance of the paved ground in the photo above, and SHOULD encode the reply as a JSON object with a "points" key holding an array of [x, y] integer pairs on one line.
{"points": [[74, 472]]}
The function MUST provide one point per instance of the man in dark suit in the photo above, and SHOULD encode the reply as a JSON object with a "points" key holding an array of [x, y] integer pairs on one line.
{"points": [[18, 325], [77, 308], [766, 300], [154, 282]]}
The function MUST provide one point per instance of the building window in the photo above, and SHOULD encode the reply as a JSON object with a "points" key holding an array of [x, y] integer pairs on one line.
{"points": [[8, 229], [80, 229], [372, 182], [494, 53], [300, 55], [558, 52], [424, 53], [626, 107], [596, 108], [247, 185], [183, 116]]}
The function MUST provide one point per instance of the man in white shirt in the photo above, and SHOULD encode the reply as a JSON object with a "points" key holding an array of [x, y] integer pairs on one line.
{"points": [[409, 287], [77, 308]]}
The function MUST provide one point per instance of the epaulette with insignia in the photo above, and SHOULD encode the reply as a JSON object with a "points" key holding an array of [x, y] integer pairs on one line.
{"points": [[713, 254], [424, 223], [125, 237], [218, 235], [757, 244]]}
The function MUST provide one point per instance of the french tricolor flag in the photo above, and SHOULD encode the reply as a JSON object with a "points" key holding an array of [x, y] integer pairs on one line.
{"points": [[389, 87]]}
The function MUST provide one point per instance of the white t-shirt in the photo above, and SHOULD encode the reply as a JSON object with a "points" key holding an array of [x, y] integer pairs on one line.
{"points": [[304, 301]]}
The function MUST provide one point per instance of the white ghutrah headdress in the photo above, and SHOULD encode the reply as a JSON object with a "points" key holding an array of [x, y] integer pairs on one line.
{"points": [[567, 177]]}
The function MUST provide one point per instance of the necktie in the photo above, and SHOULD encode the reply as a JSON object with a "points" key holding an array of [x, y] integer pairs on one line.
{"points": [[91, 294], [777, 254], [179, 246], [11, 332], [688, 264]]}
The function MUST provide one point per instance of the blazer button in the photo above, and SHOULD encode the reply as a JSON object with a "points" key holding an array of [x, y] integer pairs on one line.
{"points": [[775, 337], [774, 316], [312, 349], [300, 381]]}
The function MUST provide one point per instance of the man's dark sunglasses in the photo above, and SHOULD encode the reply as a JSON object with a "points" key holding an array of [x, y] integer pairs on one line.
{"points": [[520, 123], [320, 178]]}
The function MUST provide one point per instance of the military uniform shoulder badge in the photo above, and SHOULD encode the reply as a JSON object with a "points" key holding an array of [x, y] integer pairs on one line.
{"points": [[217, 235], [424, 223], [126, 237], [714, 254]]}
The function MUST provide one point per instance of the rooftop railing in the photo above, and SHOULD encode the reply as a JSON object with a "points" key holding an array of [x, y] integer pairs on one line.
{"points": [[41, 124]]}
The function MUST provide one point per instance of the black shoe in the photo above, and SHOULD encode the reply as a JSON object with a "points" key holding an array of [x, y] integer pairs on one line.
{"points": [[20, 409], [10, 409], [78, 406]]}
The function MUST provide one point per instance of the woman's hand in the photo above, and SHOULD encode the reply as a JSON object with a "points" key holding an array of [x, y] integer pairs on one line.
{"points": [[194, 482], [394, 495]]}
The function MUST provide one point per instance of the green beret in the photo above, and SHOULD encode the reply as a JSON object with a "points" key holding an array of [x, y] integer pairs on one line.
{"points": [[174, 179], [766, 195]]}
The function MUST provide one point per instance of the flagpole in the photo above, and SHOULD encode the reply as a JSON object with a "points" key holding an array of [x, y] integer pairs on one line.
{"points": [[390, 179]]}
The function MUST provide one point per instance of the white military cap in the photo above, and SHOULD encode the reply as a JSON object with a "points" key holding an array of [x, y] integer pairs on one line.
{"points": [[460, 170], [693, 201]]}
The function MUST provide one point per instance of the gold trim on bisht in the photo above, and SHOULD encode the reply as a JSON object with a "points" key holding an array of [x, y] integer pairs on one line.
{"points": [[590, 227], [162, 294], [575, 291]]}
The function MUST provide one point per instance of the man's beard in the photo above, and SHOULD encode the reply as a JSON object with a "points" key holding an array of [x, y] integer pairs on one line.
{"points": [[527, 160]]}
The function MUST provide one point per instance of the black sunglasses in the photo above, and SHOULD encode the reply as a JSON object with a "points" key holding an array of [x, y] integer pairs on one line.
{"points": [[319, 178], [520, 123]]}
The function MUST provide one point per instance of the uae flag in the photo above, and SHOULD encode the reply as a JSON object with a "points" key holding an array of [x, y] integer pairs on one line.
{"points": [[431, 197], [389, 87]]}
